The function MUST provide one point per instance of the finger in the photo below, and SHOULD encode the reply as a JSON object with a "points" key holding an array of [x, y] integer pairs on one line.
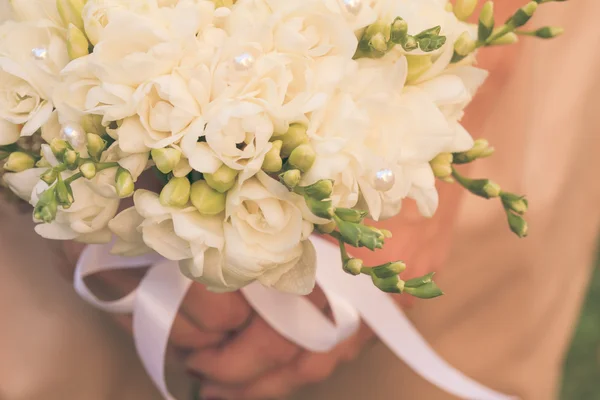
{"points": [[307, 368], [251, 353], [216, 312]]}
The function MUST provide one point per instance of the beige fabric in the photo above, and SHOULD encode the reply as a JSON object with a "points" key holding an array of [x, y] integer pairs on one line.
{"points": [[510, 306]]}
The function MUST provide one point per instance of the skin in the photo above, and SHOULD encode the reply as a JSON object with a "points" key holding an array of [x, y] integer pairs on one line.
{"points": [[234, 352]]}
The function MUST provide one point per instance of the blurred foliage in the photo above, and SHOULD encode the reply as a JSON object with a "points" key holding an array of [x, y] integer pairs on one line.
{"points": [[581, 379]]}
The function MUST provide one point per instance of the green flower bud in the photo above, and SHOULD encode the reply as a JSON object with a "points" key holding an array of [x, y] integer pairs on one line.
{"points": [[43, 163], [463, 9], [321, 208], [19, 161], [70, 12], [480, 187], [88, 169], [95, 145], [350, 215], [59, 146], [386, 234], [379, 44], [410, 43], [303, 157], [47, 206], [353, 266], [166, 159], [176, 193], [420, 281], [206, 199], [517, 224], [320, 190], [523, 15], [71, 159], [486, 21], [291, 178], [463, 46], [507, 39], [64, 194], [374, 40], [427, 291], [273, 162], [399, 31], [294, 137], [549, 32], [49, 176], [392, 284], [388, 270], [124, 183], [77, 43], [441, 166], [223, 179], [327, 228], [481, 149], [512, 202], [491, 190], [92, 123], [417, 66]]}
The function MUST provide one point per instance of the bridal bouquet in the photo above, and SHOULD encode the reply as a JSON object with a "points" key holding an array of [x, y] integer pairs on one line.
{"points": [[256, 122]]}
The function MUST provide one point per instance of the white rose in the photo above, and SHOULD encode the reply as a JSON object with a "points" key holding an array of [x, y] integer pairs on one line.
{"points": [[35, 10], [264, 235], [85, 221], [9, 132], [28, 82]]}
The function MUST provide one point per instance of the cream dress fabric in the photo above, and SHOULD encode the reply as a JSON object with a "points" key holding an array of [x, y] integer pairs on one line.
{"points": [[511, 304]]}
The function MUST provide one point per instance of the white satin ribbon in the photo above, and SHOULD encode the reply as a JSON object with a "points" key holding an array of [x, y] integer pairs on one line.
{"points": [[156, 301]]}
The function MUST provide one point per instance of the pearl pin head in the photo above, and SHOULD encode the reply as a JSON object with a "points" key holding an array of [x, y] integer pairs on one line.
{"points": [[74, 134], [353, 6], [384, 180], [39, 53], [244, 61]]}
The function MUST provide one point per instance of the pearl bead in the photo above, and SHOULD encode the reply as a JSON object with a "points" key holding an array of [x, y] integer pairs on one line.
{"points": [[353, 6], [384, 180], [39, 53], [244, 61], [74, 134]]}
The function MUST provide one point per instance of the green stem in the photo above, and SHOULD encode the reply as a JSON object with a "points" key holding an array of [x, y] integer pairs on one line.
{"points": [[525, 33], [99, 167], [73, 178]]}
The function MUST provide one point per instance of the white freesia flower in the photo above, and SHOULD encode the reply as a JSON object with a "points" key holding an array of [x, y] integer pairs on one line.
{"points": [[22, 183], [27, 81], [85, 221], [9, 132], [35, 10]]}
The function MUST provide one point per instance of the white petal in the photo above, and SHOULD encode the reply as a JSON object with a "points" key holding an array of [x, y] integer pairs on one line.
{"points": [[9, 132]]}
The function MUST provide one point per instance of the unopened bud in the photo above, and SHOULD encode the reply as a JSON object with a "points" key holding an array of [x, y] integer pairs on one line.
{"points": [[223, 179], [71, 159], [64, 194], [379, 43], [166, 159], [19, 161], [43, 163], [49, 176], [59, 146], [273, 162], [206, 199], [388, 270], [176, 193], [77, 43], [399, 31], [319, 190], [124, 183], [303, 157], [486, 21], [321, 208], [88, 170], [517, 224], [410, 43], [427, 291], [393, 284], [523, 15], [95, 145], [491, 190], [291, 178], [507, 39], [441, 166], [353, 266], [549, 32], [420, 281], [294, 137], [481, 149], [515, 203], [463, 46], [70, 12], [47, 206], [350, 214], [463, 9], [327, 228]]}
